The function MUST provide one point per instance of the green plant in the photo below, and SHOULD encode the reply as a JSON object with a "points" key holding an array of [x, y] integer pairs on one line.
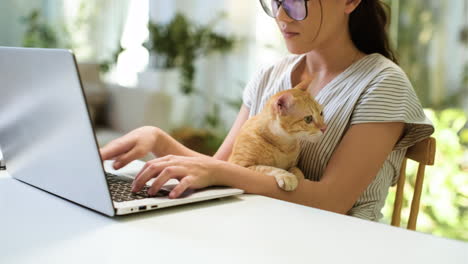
{"points": [[180, 42], [444, 201], [39, 34], [419, 32]]}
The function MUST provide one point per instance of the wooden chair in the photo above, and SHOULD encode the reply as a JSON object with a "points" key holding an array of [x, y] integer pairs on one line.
{"points": [[423, 153]]}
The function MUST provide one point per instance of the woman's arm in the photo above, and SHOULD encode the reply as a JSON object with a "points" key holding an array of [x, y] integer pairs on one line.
{"points": [[165, 145], [352, 167]]}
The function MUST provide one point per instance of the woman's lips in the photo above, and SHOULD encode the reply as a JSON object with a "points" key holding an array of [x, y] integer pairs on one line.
{"points": [[289, 34]]}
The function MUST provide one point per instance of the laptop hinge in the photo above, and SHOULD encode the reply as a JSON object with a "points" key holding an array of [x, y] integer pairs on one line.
{"points": [[2, 165]]}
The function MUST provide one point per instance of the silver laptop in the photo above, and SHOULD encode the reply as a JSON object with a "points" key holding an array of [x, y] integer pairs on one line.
{"points": [[48, 141]]}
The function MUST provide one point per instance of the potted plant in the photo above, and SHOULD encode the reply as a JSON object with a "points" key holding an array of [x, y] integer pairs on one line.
{"points": [[174, 48], [177, 45]]}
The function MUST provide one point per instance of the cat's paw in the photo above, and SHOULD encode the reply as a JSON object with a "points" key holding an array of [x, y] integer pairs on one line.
{"points": [[296, 171], [287, 182]]}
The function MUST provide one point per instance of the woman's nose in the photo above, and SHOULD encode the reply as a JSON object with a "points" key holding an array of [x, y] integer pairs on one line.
{"points": [[282, 16]]}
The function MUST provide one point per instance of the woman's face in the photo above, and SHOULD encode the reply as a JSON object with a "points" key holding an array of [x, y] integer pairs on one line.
{"points": [[326, 21]]}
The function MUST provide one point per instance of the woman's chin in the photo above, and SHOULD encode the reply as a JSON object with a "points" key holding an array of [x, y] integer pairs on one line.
{"points": [[296, 49]]}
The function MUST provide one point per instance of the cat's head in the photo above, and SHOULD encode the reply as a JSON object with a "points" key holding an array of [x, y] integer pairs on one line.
{"points": [[297, 113]]}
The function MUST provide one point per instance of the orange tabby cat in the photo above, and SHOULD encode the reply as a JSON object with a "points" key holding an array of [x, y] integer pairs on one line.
{"points": [[269, 141]]}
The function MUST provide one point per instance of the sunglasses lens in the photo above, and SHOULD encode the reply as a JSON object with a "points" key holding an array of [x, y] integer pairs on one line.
{"points": [[270, 7], [295, 9]]}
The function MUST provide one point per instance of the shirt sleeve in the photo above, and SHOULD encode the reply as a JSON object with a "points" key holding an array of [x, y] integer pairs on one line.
{"points": [[390, 97], [250, 92]]}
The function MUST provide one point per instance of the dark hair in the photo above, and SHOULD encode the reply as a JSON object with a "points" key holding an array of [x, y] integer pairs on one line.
{"points": [[368, 25]]}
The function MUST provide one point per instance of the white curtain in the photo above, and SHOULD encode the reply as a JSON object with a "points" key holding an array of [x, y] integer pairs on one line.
{"points": [[94, 27]]}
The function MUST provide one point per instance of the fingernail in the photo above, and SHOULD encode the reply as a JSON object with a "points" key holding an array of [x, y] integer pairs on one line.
{"points": [[116, 165]]}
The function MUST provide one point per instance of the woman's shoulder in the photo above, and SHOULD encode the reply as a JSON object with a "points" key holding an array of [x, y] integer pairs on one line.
{"points": [[389, 83], [387, 66], [380, 70]]}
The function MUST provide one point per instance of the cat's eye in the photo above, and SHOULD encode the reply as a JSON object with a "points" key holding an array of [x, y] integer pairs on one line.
{"points": [[321, 113], [308, 119]]}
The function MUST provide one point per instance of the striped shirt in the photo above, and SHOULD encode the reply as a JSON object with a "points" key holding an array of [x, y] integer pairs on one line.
{"points": [[371, 90]]}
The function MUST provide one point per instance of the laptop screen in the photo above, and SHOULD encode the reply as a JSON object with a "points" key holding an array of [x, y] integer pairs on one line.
{"points": [[45, 130]]}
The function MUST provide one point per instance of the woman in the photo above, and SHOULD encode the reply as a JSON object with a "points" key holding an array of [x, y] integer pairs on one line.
{"points": [[371, 110]]}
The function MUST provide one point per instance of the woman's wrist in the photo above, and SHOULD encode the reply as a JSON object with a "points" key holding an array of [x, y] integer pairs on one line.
{"points": [[159, 148], [227, 174], [167, 145], [222, 173]]}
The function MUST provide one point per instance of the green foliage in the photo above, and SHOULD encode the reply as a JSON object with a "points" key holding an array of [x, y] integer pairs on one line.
{"points": [[39, 34], [444, 201], [180, 42], [212, 120], [417, 24], [420, 36]]}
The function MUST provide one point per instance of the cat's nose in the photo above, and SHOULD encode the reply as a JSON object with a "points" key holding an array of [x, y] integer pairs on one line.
{"points": [[323, 128]]}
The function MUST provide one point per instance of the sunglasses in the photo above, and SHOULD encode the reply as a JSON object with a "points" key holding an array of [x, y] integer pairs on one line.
{"points": [[295, 9]]}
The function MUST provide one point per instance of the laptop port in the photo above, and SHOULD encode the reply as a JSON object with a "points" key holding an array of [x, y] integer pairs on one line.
{"points": [[154, 206], [143, 207]]}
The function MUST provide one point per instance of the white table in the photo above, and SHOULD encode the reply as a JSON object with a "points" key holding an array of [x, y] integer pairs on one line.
{"points": [[36, 227]]}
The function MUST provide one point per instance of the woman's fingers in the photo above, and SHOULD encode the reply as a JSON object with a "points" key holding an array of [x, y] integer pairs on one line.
{"points": [[148, 173], [163, 169], [166, 174], [116, 148], [155, 161], [126, 158], [180, 188]]}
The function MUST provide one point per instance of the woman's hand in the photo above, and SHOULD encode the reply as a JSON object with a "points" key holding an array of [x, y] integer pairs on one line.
{"points": [[132, 146], [192, 172]]}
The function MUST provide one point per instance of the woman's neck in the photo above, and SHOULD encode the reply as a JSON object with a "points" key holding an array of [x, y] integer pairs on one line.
{"points": [[333, 58], [323, 64]]}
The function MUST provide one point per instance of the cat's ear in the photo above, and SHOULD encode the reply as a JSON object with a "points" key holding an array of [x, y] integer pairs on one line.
{"points": [[304, 85], [283, 103]]}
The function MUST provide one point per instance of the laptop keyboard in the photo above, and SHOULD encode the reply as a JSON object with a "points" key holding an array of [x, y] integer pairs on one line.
{"points": [[121, 189]]}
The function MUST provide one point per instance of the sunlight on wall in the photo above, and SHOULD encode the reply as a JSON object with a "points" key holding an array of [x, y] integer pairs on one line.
{"points": [[135, 57], [269, 44]]}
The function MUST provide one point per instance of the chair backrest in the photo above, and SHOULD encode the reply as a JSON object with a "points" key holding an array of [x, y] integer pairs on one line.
{"points": [[424, 153]]}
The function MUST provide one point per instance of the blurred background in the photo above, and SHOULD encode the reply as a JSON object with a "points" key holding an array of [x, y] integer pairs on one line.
{"points": [[181, 65]]}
